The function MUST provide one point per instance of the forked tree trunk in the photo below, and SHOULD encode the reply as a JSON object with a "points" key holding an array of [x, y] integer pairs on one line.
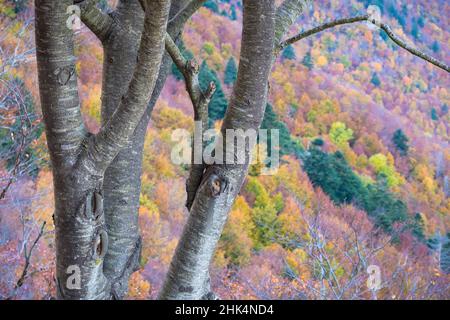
{"points": [[120, 36], [79, 160]]}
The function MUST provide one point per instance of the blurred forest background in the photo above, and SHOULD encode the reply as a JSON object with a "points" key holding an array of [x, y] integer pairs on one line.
{"points": [[364, 176]]}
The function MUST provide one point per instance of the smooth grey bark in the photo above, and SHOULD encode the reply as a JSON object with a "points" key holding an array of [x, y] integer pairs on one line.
{"points": [[75, 233], [122, 178], [122, 183], [79, 159], [188, 275], [200, 101], [120, 32], [287, 13]]}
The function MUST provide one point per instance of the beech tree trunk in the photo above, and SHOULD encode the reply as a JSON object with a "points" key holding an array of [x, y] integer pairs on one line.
{"points": [[188, 275], [79, 159], [122, 182]]}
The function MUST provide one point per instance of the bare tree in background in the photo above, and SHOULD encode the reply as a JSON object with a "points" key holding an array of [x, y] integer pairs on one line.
{"points": [[20, 125], [97, 177]]}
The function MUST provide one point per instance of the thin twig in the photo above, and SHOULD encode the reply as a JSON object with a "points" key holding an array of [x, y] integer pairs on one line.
{"points": [[27, 255]]}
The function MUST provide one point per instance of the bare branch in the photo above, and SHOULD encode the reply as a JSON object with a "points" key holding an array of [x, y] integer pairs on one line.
{"points": [[366, 17], [97, 21], [200, 101], [321, 28], [412, 50], [28, 255], [184, 14], [190, 70]]}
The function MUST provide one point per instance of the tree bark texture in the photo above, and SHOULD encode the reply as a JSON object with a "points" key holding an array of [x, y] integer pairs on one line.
{"points": [[80, 159], [188, 276]]}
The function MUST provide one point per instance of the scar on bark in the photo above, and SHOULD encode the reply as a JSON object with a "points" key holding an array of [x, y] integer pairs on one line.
{"points": [[187, 289], [93, 208], [100, 244], [64, 74], [93, 211], [216, 183]]}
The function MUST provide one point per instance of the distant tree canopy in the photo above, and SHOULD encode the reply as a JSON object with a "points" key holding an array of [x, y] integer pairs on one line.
{"points": [[19, 5], [400, 141], [444, 109], [212, 5], [335, 177], [307, 61], [418, 226], [230, 72], [375, 80], [436, 47], [340, 134], [264, 215], [434, 114], [15, 140], [288, 146], [288, 53], [233, 14]]}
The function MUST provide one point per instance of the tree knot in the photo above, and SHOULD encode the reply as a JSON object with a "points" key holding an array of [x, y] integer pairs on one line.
{"points": [[93, 207], [64, 74], [217, 184], [100, 244], [192, 67]]}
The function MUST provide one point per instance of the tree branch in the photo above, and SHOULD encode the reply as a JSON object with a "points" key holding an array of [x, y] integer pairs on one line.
{"points": [[286, 15], [100, 23], [58, 88], [366, 17], [412, 50], [188, 273], [27, 255], [122, 182], [184, 14], [103, 147], [321, 28], [200, 101]]}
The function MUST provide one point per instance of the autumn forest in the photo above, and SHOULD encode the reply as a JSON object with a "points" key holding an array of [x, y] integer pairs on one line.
{"points": [[362, 187]]}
